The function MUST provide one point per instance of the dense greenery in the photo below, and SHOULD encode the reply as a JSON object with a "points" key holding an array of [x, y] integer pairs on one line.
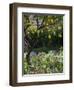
{"points": [[43, 35], [44, 63]]}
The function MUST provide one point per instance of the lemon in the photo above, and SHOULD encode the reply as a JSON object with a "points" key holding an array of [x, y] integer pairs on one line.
{"points": [[59, 27], [60, 35], [49, 36]]}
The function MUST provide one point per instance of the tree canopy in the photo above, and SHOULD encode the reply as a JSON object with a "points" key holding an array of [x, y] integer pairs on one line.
{"points": [[43, 30]]}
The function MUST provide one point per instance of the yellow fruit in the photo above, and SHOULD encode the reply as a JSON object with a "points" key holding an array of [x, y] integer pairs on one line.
{"points": [[59, 27], [54, 33], [49, 36], [60, 35], [28, 32], [41, 31], [49, 30], [47, 24]]}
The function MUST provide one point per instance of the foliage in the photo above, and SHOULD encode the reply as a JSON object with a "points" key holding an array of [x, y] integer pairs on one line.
{"points": [[51, 62], [46, 31], [43, 34]]}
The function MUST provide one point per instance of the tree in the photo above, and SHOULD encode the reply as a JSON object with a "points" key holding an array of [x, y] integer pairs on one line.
{"points": [[42, 31]]}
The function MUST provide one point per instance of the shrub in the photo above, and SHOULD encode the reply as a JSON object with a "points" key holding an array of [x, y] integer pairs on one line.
{"points": [[51, 62]]}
